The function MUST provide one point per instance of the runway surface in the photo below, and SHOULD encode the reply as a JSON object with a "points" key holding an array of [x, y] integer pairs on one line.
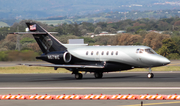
{"points": [[111, 83]]}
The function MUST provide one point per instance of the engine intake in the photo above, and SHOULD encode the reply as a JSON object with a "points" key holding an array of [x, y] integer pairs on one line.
{"points": [[67, 57]]}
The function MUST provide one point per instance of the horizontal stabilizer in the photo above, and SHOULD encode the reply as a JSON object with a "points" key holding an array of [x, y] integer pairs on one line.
{"points": [[33, 33], [64, 66]]}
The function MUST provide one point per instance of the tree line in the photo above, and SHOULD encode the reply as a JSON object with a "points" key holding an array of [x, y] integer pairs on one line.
{"points": [[165, 43]]}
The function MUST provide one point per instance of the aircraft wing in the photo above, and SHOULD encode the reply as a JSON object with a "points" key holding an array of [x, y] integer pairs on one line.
{"points": [[64, 66]]}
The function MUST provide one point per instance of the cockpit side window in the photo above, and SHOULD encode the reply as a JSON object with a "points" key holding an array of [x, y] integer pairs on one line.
{"points": [[141, 51], [137, 51], [150, 51]]}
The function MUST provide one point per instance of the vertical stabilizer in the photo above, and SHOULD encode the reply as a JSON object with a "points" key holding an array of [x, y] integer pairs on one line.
{"points": [[45, 40]]}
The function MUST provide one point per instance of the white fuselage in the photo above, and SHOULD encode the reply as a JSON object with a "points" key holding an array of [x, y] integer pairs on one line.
{"points": [[120, 54]]}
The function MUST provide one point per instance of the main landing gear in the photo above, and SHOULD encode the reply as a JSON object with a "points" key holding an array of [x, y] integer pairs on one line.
{"points": [[78, 76], [98, 74], [150, 74]]}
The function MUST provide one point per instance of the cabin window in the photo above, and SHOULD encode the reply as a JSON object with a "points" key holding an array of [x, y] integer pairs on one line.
{"points": [[92, 53], [87, 53], [102, 53], [116, 52], [112, 53], [107, 53], [97, 53]]}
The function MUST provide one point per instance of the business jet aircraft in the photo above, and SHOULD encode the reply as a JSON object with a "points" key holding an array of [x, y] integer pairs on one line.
{"points": [[96, 59]]}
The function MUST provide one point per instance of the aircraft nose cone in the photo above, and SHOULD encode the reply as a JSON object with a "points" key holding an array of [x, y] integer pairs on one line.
{"points": [[165, 61]]}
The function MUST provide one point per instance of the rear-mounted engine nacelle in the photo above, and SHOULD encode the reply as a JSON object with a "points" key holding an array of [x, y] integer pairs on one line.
{"points": [[56, 57], [67, 57]]}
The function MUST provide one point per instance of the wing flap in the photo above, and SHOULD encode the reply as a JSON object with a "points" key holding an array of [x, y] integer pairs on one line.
{"points": [[64, 66]]}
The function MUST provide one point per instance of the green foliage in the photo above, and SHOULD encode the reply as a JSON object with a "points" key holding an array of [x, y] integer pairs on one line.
{"points": [[176, 33], [3, 56], [137, 43], [27, 40], [98, 30], [176, 39], [3, 32], [24, 55], [169, 49], [64, 38], [67, 29], [88, 40], [76, 30], [173, 56]]}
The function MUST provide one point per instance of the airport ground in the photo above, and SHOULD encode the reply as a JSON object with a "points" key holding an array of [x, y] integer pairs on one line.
{"points": [[112, 83]]}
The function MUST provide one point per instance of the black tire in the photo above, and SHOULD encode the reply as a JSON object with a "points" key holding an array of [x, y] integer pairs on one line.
{"points": [[150, 75], [98, 74], [78, 76]]}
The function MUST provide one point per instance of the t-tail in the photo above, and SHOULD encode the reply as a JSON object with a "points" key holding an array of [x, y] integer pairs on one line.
{"points": [[45, 40]]}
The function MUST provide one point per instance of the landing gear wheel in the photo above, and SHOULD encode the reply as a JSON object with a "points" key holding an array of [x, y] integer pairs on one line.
{"points": [[78, 76], [150, 75], [98, 74]]}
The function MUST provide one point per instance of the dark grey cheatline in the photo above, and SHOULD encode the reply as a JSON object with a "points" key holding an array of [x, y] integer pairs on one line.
{"points": [[96, 59]]}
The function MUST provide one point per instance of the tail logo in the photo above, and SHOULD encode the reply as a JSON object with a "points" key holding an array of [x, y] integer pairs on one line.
{"points": [[32, 27]]}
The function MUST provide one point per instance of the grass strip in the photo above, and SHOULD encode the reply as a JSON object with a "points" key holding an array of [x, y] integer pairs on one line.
{"points": [[27, 69], [163, 68]]}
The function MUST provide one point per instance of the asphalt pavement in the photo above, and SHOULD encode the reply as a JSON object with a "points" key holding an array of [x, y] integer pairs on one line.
{"points": [[111, 83]]}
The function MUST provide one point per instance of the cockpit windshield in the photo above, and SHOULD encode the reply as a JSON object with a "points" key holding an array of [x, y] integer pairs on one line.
{"points": [[148, 50]]}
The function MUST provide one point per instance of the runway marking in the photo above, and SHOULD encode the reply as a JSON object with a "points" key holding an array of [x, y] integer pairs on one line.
{"points": [[150, 104], [86, 88]]}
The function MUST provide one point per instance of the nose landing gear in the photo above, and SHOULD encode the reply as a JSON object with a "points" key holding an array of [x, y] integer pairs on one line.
{"points": [[150, 74]]}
